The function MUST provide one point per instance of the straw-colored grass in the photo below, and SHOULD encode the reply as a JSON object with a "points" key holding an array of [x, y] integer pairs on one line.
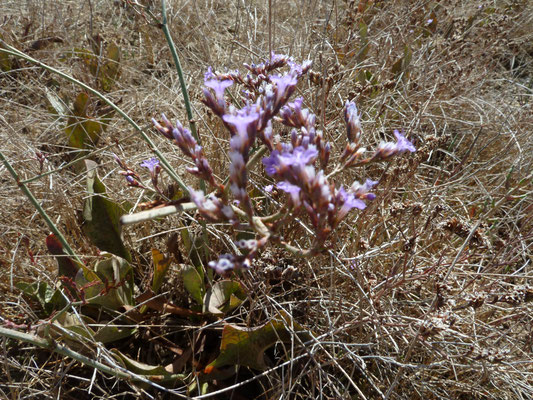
{"points": [[426, 294]]}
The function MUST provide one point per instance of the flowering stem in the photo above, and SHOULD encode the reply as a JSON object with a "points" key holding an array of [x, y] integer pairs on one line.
{"points": [[17, 53], [251, 162], [39, 209]]}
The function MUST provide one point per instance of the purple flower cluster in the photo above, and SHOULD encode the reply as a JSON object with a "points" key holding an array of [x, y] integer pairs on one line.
{"points": [[297, 165], [188, 145], [212, 208], [353, 122], [226, 263], [387, 150]]}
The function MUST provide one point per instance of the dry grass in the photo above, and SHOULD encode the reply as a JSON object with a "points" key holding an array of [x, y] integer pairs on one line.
{"points": [[426, 294]]}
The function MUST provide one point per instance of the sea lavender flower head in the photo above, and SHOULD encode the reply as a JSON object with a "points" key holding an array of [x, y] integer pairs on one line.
{"points": [[224, 264], [285, 86], [278, 162], [211, 208], [389, 149], [403, 144], [244, 123], [344, 202], [300, 156], [362, 191], [219, 86], [353, 122], [166, 128], [152, 164], [291, 189]]}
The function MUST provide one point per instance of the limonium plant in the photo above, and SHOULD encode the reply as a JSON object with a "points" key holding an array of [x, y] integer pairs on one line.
{"points": [[297, 164]]}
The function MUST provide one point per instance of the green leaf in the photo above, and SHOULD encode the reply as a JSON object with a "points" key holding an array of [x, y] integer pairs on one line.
{"points": [[364, 46], [49, 298], [401, 65], [161, 264], [193, 282], [81, 130], [154, 373], [110, 69], [246, 346], [101, 216], [89, 284], [89, 59], [105, 334], [117, 274], [113, 333], [223, 297], [5, 62]]}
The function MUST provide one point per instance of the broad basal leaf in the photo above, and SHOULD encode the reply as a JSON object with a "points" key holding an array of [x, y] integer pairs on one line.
{"points": [[246, 346], [50, 298], [109, 70], [223, 297], [82, 131], [116, 273], [193, 282], [101, 216], [154, 373]]}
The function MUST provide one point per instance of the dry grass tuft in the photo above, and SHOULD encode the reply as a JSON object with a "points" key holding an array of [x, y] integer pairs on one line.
{"points": [[426, 294]]}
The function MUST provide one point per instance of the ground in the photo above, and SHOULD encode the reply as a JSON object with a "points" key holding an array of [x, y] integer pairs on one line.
{"points": [[424, 294]]}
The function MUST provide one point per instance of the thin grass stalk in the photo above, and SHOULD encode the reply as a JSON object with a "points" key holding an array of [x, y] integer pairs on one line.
{"points": [[55, 347], [168, 168], [183, 85], [177, 63], [186, 99], [38, 207]]}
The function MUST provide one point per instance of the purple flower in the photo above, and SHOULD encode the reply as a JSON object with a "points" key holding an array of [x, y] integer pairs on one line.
{"points": [[291, 189], [300, 156], [249, 244], [271, 163], [347, 201], [212, 208], [363, 191], [224, 264], [353, 122], [152, 164], [242, 122], [403, 144], [209, 74], [219, 86], [285, 85]]}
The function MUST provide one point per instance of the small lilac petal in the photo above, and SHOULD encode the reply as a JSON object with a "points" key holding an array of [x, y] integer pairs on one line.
{"points": [[151, 164], [300, 156], [403, 143], [271, 163], [224, 264], [268, 188], [293, 190], [209, 74], [219, 87], [241, 122], [288, 187], [369, 184]]}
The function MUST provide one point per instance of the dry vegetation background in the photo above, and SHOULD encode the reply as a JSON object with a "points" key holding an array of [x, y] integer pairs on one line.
{"points": [[426, 294]]}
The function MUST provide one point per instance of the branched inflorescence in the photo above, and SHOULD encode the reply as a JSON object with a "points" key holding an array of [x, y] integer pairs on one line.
{"points": [[298, 165]]}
